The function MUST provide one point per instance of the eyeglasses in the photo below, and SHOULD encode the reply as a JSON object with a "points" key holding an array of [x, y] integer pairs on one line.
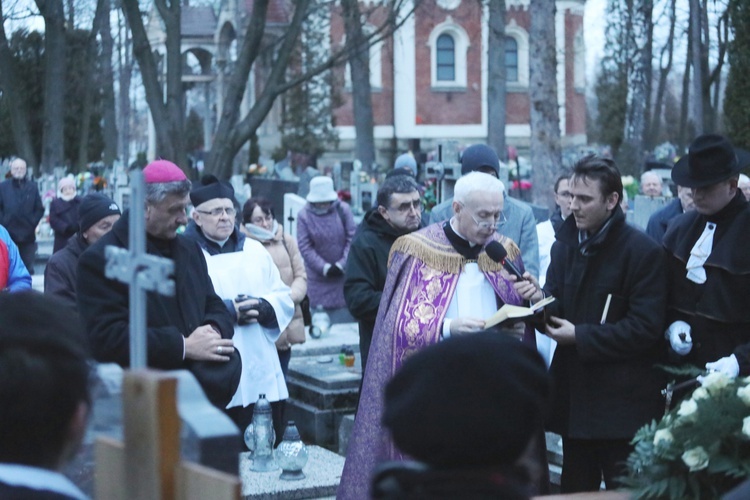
{"points": [[216, 212], [406, 207], [260, 220], [497, 220], [564, 194]]}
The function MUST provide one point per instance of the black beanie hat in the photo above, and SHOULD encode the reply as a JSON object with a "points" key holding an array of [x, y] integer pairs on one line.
{"points": [[469, 401], [477, 156], [211, 188], [93, 208]]}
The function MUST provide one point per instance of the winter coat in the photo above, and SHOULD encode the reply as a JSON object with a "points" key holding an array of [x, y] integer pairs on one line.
{"points": [[325, 239], [21, 209], [104, 308], [659, 220], [60, 273], [286, 255], [14, 276], [606, 384], [63, 218], [716, 310], [366, 271]]}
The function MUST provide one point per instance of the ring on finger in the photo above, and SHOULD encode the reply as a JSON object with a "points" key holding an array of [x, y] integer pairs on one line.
{"points": [[219, 349]]}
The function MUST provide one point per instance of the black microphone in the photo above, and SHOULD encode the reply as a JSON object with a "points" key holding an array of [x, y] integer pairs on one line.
{"points": [[497, 253]]}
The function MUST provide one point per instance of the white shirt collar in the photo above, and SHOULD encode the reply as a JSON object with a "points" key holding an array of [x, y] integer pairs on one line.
{"points": [[39, 479]]}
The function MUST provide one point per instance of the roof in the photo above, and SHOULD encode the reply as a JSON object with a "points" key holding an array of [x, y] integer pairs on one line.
{"points": [[198, 21]]}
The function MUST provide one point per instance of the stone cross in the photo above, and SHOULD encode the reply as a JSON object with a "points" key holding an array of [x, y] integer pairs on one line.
{"points": [[141, 271]]}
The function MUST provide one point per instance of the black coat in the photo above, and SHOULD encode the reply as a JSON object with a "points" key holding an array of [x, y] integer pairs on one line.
{"points": [[103, 306], [717, 311], [606, 386], [21, 209], [366, 271], [63, 219], [659, 221], [60, 273]]}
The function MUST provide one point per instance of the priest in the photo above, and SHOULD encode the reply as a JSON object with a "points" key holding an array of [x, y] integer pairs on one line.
{"points": [[440, 284]]}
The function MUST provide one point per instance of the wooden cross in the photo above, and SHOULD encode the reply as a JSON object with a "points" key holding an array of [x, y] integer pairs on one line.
{"points": [[147, 466], [141, 271]]}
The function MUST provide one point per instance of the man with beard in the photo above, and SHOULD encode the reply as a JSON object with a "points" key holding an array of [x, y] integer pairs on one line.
{"points": [[399, 212]]}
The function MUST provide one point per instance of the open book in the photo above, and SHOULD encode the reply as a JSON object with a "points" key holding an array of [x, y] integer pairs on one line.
{"points": [[516, 312]]}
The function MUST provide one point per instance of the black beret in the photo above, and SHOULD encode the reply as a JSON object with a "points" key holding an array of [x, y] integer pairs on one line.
{"points": [[469, 401], [211, 188]]}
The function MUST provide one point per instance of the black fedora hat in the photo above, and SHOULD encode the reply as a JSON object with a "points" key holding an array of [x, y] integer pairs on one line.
{"points": [[711, 159]]}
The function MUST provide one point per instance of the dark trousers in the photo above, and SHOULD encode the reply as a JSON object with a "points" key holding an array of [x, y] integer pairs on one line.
{"points": [[27, 251], [243, 416], [586, 461]]}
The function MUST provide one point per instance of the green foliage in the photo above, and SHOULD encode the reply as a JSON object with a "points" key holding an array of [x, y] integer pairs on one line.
{"points": [[700, 449], [28, 51], [611, 88], [737, 97]]}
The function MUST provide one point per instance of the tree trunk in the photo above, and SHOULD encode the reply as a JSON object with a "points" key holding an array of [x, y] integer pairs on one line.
{"points": [[664, 69], [54, 84], [19, 118], [698, 70], [125, 67], [90, 82], [684, 102], [631, 155], [496, 78], [223, 151], [150, 76], [109, 116], [358, 49], [545, 119]]}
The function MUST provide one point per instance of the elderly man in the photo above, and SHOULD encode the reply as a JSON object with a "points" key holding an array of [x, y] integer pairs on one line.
{"points": [[191, 330], [398, 212], [651, 184], [21, 210], [708, 261], [245, 277], [516, 218], [440, 283], [96, 216], [609, 282], [44, 396], [659, 221]]}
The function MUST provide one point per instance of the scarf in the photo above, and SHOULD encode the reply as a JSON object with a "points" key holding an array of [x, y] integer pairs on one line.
{"points": [[260, 234]]}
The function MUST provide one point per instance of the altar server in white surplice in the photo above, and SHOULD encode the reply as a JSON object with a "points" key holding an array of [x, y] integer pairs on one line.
{"points": [[246, 278]]}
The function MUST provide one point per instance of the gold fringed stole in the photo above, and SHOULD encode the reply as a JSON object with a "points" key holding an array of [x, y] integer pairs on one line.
{"points": [[441, 255]]}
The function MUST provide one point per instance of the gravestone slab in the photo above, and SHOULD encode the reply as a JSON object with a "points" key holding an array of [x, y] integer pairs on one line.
{"points": [[322, 477], [208, 436]]}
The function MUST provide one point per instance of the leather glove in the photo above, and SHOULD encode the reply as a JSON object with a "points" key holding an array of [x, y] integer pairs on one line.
{"points": [[266, 315], [679, 337], [334, 271], [727, 365]]}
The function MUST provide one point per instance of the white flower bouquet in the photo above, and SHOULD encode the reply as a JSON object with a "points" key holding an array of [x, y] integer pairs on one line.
{"points": [[700, 449]]}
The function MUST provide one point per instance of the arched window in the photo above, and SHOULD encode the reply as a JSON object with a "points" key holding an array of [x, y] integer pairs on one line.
{"points": [[446, 58], [511, 59]]}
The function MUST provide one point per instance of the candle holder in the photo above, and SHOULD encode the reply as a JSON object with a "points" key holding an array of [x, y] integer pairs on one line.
{"points": [[291, 454], [263, 437]]}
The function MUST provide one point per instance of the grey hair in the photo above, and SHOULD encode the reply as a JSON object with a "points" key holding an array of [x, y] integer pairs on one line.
{"points": [[476, 181], [649, 173], [157, 191]]}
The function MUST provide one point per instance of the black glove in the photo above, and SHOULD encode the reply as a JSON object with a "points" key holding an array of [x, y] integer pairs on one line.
{"points": [[334, 271], [266, 315]]}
